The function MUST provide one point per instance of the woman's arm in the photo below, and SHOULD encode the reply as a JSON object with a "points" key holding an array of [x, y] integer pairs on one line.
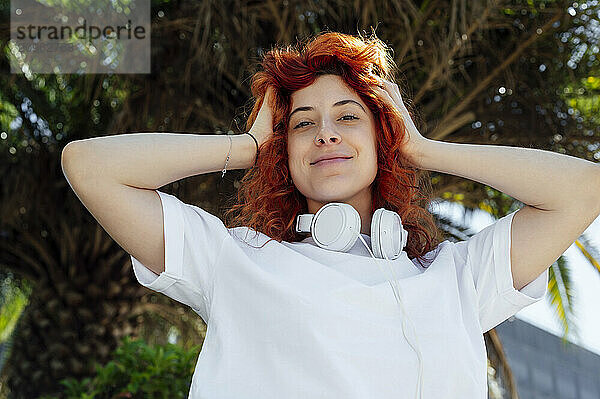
{"points": [[562, 194], [542, 179], [152, 160], [116, 177]]}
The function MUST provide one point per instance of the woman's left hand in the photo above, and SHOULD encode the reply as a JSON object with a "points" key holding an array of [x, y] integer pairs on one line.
{"points": [[391, 94]]}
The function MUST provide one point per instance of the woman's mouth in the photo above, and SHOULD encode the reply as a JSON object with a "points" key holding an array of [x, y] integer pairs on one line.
{"points": [[331, 161]]}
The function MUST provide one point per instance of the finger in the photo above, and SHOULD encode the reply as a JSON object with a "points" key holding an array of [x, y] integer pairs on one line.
{"points": [[395, 93], [385, 95], [394, 102], [382, 91], [391, 85]]}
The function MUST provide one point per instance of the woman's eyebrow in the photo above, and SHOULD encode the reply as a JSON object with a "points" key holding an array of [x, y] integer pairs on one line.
{"points": [[339, 103]]}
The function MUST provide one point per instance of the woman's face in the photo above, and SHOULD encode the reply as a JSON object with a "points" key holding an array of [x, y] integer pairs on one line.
{"points": [[329, 118]]}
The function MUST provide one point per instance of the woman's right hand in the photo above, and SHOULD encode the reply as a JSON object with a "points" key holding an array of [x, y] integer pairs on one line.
{"points": [[262, 128]]}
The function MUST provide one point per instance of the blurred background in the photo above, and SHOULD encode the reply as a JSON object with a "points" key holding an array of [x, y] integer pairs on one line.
{"points": [[73, 320]]}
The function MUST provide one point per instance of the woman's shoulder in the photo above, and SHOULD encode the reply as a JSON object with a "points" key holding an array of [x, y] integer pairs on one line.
{"points": [[248, 235]]}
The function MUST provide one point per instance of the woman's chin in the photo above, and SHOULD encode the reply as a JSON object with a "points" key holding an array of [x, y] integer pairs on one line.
{"points": [[332, 194]]}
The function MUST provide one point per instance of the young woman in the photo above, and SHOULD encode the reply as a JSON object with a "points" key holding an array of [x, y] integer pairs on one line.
{"points": [[297, 316]]}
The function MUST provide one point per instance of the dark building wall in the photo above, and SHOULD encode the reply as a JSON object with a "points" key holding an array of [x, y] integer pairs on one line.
{"points": [[544, 367]]}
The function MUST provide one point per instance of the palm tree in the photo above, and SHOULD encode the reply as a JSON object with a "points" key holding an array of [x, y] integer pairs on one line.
{"points": [[454, 57]]}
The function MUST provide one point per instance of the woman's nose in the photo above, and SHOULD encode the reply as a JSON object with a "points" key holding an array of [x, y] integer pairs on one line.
{"points": [[327, 135]]}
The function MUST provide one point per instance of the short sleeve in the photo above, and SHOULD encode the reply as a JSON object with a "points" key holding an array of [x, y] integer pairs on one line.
{"points": [[487, 255], [193, 239]]}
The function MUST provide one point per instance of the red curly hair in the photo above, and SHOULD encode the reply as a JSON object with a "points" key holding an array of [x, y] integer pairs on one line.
{"points": [[268, 201]]}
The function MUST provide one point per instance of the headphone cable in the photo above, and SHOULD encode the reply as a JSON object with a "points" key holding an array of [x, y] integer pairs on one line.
{"points": [[396, 290]]}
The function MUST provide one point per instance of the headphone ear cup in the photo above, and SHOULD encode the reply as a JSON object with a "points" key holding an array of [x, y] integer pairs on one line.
{"points": [[336, 226], [375, 238], [387, 234]]}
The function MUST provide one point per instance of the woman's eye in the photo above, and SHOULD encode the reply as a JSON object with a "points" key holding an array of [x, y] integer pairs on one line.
{"points": [[298, 125], [345, 116]]}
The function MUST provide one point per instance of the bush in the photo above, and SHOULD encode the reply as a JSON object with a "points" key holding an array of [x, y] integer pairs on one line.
{"points": [[138, 371]]}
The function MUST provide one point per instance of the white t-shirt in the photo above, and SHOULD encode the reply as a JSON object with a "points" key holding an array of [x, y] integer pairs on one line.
{"points": [[292, 320]]}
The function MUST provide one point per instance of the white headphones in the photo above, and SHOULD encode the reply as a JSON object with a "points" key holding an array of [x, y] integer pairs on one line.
{"points": [[336, 226]]}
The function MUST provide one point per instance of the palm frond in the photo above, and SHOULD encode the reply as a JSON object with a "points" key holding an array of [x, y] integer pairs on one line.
{"points": [[13, 299], [14, 296], [588, 250], [453, 231], [560, 293]]}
